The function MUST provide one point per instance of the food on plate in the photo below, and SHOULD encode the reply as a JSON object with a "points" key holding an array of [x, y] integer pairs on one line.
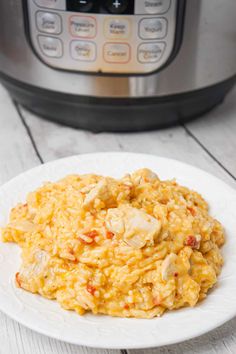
{"points": [[133, 247]]}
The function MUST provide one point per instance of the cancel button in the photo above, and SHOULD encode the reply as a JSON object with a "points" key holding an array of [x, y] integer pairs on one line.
{"points": [[116, 53]]}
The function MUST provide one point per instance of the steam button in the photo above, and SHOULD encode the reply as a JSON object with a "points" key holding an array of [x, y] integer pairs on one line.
{"points": [[155, 7]]}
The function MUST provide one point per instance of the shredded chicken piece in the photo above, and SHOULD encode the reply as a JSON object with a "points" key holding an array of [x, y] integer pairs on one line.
{"points": [[168, 266], [144, 175], [35, 269], [24, 226], [136, 227], [100, 191]]}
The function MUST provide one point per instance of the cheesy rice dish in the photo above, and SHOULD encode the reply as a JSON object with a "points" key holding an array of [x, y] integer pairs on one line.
{"points": [[133, 247]]}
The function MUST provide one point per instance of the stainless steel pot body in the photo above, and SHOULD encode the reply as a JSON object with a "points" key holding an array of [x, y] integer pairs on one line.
{"points": [[207, 56]]}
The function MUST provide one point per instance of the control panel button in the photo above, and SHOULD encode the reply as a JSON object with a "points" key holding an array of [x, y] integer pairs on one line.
{"points": [[83, 50], [116, 28], [51, 4], [117, 53], [156, 7], [116, 6], [151, 52], [80, 5], [48, 22], [153, 28], [50, 46], [81, 26], [104, 36]]}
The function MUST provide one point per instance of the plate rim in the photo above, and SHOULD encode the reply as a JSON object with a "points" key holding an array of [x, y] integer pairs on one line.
{"points": [[115, 346], [48, 163]]}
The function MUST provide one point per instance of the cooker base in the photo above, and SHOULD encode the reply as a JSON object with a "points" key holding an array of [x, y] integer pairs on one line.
{"points": [[117, 114]]}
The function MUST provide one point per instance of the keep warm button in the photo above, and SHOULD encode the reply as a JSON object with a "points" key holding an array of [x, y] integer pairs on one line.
{"points": [[116, 53], [150, 52], [117, 28]]}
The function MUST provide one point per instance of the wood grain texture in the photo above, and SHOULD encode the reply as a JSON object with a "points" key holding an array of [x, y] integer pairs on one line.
{"points": [[16, 339], [216, 131], [16, 152], [219, 341], [56, 141], [32, 140]]}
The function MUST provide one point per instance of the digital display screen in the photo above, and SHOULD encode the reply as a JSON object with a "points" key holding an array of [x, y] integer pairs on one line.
{"points": [[116, 7]]}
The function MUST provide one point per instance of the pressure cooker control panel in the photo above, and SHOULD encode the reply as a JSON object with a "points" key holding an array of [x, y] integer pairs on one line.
{"points": [[108, 36]]}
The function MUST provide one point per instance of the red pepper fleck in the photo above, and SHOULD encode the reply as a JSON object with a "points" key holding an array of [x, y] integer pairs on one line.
{"points": [[176, 274], [126, 307], [192, 242], [91, 289], [75, 261], [93, 212], [18, 281], [157, 300], [91, 234], [85, 242], [192, 211], [110, 235], [164, 201]]}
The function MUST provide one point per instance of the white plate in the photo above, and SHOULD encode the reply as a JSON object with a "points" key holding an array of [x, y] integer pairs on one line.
{"points": [[48, 318]]}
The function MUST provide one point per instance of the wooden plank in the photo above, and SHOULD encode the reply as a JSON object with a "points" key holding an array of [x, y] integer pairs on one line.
{"points": [[220, 341], [17, 154], [217, 132], [56, 141], [16, 339]]}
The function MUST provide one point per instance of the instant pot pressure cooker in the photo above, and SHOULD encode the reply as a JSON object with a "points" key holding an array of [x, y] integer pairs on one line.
{"points": [[118, 65]]}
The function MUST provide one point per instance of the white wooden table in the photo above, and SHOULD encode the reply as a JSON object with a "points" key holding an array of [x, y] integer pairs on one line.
{"points": [[26, 141]]}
